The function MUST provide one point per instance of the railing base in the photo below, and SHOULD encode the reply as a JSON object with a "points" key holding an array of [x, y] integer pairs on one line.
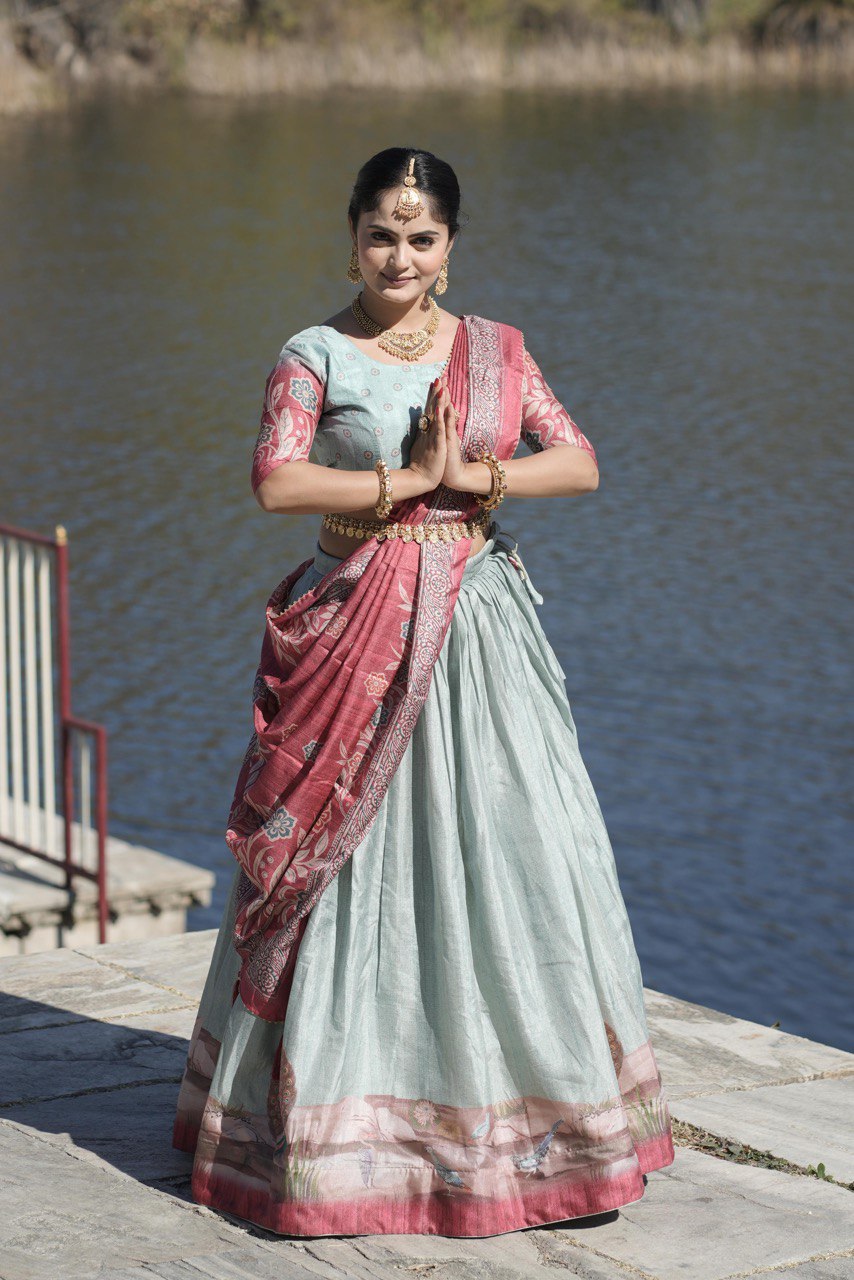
{"points": [[149, 895]]}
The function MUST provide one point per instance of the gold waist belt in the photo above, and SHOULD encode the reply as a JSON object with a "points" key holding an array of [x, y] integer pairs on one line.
{"points": [[427, 531]]}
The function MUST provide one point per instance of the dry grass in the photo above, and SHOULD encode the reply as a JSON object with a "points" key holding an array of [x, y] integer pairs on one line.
{"points": [[242, 70], [230, 70], [714, 1144]]}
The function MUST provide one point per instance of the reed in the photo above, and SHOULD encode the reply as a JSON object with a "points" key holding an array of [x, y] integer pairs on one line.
{"points": [[246, 48], [214, 67]]}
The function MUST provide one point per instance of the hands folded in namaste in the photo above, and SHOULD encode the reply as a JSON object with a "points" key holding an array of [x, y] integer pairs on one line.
{"points": [[435, 451]]}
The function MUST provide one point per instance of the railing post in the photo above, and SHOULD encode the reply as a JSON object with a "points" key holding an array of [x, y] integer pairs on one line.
{"points": [[25, 822], [101, 820], [64, 661]]}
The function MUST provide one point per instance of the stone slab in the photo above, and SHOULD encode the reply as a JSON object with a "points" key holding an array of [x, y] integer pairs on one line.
{"points": [[55, 987], [809, 1122], [839, 1268], [516, 1255], [702, 1051], [700, 1219], [245, 1263], [31, 887], [178, 963], [152, 920], [129, 1130], [703, 1218], [65, 1219], [81, 1057]]}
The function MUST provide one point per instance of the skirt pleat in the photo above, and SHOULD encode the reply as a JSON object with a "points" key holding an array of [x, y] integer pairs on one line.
{"points": [[465, 1049]]}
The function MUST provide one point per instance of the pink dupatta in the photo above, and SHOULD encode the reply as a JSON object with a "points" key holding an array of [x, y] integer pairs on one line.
{"points": [[344, 672]]}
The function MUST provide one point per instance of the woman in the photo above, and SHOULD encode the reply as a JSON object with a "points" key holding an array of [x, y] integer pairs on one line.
{"points": [[424, 1011]]}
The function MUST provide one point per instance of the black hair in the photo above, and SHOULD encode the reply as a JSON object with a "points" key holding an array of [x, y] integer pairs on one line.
{"points": [[385, 171]]}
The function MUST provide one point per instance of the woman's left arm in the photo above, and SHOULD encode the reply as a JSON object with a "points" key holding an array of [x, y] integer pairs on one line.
{"points": [[563, 460]]}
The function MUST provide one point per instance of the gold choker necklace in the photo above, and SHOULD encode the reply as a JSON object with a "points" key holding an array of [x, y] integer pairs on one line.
{"points": [[408, 346]]}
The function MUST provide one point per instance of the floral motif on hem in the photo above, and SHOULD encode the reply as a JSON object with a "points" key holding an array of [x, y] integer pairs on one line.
{"points": [[434, 1213], [396, 1161]]}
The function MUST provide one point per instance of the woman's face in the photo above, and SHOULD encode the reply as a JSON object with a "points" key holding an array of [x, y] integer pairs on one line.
{"points": [[400, 260]]}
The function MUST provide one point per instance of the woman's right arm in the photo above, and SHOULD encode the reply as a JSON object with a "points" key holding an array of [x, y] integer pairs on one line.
{"points": [[283, 480]]}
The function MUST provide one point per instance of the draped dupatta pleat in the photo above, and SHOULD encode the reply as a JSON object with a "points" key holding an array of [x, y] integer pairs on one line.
{"points": [[343, 675]]}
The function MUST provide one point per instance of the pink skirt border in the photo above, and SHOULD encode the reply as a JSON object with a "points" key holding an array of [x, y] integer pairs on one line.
{"points": [[439, 1213]]}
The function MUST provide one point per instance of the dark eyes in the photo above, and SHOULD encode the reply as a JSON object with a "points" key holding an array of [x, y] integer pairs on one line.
{"points": [[428, 241]]}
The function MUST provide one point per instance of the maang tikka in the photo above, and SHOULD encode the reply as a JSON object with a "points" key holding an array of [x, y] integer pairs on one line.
{"points": [[409, 202]]}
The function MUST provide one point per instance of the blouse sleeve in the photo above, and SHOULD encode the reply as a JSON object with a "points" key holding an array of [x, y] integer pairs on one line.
{"points": [[545, 422], [293, 403]]}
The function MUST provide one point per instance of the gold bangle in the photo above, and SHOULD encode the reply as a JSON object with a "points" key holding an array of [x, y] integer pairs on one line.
{"points": [[498, 488], [485, 498], [384, 502]]}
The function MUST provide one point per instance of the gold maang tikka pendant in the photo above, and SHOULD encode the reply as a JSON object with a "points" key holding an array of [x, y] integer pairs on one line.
{"points": [[409, 203]]}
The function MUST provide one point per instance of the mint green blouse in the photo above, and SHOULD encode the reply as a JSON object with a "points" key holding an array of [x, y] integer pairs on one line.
{"points": [[370, 409], [328, 402]]}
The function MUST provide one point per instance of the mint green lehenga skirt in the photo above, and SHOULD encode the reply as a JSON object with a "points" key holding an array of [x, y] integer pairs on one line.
{"points": [[465, 1050]]}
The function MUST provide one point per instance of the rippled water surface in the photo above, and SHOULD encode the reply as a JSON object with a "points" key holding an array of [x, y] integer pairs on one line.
{"points": [[678, 264]]}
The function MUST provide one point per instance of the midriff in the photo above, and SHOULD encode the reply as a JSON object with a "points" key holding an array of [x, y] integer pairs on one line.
{"points": [[340, 544]]}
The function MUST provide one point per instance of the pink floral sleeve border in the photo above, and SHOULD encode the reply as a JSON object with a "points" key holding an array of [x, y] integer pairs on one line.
{"points": [[293, 402], [545, 422]]}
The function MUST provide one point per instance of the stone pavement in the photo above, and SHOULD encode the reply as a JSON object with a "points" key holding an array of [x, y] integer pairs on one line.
{"points": [[92, 1046]]}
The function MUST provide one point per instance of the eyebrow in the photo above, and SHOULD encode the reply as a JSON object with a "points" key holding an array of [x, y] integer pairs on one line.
{"points": [[379, 227]]}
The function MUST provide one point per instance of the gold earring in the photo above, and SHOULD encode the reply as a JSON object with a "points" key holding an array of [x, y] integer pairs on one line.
{"points": [[442, 278], [354, 274]]}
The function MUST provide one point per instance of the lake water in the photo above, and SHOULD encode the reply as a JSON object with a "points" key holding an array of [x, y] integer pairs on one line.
{"points": [[677, 262]]}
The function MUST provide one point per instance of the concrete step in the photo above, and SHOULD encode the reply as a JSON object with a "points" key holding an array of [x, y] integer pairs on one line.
{"points": [[149, 895]]}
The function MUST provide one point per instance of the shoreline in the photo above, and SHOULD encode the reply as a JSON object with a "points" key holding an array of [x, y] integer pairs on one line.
{"points": [[208, 67]]}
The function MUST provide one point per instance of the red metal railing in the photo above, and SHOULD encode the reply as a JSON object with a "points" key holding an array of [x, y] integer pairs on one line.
{"points": [[22, 815]]}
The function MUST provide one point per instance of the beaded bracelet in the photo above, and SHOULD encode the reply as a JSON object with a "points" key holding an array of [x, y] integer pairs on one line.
{"points": [[384, 502], [498, 487]]}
